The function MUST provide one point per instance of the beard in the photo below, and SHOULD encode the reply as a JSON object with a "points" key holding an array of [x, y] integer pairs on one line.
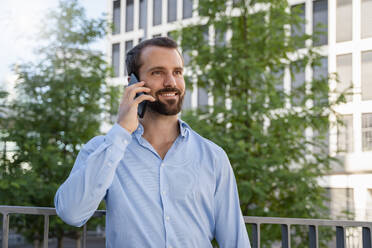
{"points": [[170, 106]]}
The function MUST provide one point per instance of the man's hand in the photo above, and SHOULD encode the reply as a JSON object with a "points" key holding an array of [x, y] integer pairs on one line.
{"points": [[127, 116]]}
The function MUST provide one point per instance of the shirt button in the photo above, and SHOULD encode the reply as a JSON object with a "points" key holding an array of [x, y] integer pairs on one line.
{"points": [[163, 192], [162, 164], [167, 218], [170, 246]]}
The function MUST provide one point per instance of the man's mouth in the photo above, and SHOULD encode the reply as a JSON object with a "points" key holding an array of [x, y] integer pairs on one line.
{"points": [[169, 93]]}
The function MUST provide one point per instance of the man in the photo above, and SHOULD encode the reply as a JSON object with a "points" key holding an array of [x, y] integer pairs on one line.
{"points": [[164, 185]]}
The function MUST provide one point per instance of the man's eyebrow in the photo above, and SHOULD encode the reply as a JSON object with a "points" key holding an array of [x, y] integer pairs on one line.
{"points": [[157, 68], [163, 68]]}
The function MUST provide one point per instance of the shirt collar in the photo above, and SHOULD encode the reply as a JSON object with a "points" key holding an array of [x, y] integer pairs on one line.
{"points": [[184, 129]]}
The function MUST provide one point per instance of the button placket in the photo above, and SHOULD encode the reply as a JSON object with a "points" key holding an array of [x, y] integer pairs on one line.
{"points": [[162, 189]]}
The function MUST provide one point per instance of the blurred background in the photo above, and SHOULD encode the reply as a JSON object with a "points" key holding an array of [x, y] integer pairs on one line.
{"points": [[285, 87]]}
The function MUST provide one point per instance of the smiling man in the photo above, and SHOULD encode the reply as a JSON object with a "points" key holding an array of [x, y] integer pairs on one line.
{"points": [[164, 185]]}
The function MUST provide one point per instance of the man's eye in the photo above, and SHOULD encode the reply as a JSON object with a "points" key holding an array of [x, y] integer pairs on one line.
{"points": [[156, 73], [178, 72]]}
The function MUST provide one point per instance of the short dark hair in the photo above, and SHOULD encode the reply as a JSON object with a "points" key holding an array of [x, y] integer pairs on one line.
{"points": [[133, 57]]}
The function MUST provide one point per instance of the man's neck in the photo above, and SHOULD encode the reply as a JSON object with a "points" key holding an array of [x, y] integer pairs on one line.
{"points": [[160, 129]]}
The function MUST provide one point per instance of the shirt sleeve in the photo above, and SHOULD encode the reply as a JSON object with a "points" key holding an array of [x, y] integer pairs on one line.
{"points": [[230, 229], [78, 197]]}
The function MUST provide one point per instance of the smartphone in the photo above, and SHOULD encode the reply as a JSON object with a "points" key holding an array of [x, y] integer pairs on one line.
{"points": [[142, 106]]}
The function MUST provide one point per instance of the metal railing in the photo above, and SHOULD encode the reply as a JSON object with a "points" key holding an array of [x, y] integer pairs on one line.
{"points": [[313, 225], [6, 211], [256, 222]]}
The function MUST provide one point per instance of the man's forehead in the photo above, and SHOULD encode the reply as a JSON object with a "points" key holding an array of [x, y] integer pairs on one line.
{"points": [[153, 56]]}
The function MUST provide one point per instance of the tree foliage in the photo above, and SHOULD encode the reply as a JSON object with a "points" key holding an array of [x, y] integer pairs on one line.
{"points": [[264, 128], [61, 102]]}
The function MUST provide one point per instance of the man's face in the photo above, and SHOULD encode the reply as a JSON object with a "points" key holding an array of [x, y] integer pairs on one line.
{"points": [[162, 71]]}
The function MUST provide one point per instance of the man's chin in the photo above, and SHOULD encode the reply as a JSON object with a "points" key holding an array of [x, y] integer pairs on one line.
{"points": [[169, 108]]}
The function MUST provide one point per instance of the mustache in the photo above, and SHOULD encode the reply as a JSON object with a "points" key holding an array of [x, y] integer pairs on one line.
{"points": [[168, 89]]}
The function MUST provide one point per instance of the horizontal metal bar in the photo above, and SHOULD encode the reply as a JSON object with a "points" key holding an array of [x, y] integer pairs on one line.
{"points": [[37, 210], [306, 222]]}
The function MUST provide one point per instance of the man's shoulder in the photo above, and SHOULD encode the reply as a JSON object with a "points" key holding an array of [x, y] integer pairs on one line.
{"points": [[205, 142], [94, 142]]}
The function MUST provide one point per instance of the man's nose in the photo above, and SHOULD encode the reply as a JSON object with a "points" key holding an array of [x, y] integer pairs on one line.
{"points": [[170, 81]]}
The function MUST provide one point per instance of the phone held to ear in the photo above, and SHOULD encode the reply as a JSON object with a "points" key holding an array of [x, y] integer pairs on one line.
{"points": [[142, 106]]}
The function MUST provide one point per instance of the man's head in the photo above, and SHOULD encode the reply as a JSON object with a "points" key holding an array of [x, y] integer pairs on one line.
{"points": [[158, 62]]}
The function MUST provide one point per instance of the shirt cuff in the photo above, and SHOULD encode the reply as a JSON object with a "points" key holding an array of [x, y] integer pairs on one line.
{"points": [[119, 136]]}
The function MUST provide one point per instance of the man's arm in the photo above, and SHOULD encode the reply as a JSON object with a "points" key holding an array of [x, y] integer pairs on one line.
{"points": [[79, 196], [94, 169], [230, 230]]}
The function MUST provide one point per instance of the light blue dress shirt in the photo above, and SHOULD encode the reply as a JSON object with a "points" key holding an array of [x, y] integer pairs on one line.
{"points": [[181, 201]]}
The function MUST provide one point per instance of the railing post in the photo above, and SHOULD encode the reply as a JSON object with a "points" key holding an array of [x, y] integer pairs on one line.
{"points": [[85, 236], [46, 231], [5, 230], [286, 242], [366, 237], [340, 237], [256, 235], [313, 236]]}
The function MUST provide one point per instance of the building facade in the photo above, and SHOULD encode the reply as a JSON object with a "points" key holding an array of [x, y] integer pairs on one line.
{"points": [[346, 46]]}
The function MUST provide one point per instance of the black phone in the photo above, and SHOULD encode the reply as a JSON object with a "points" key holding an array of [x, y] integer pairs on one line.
{"points": [[142, 106]]}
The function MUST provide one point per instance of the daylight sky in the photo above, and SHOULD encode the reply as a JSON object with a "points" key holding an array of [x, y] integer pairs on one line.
{"points": [[19, 24]]}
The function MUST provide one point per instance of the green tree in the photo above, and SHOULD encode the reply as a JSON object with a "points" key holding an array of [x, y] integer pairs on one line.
{"points": [[261, 126], [61, 102]]}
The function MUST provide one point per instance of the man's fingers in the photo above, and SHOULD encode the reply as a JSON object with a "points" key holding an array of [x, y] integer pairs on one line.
{"points": [[142, 98], [141, 83], [136, 90]]}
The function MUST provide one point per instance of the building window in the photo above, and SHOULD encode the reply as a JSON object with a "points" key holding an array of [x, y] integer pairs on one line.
{"points": [[320, 22], [187, 9], [157, 12], [129, 16], [116, 17], [344, 71], [367, 132], [186, 57], [320, 72], [202, 97], [142, 14], [187, 100], [171, 34], [366, 22], [341, 203], [156, 35], [369, 206], [345, 134], [220, 38], [367, 75], [297, 82], [128, 46], [344, 20], [172, 10], [299, 30], [115, 60]]}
